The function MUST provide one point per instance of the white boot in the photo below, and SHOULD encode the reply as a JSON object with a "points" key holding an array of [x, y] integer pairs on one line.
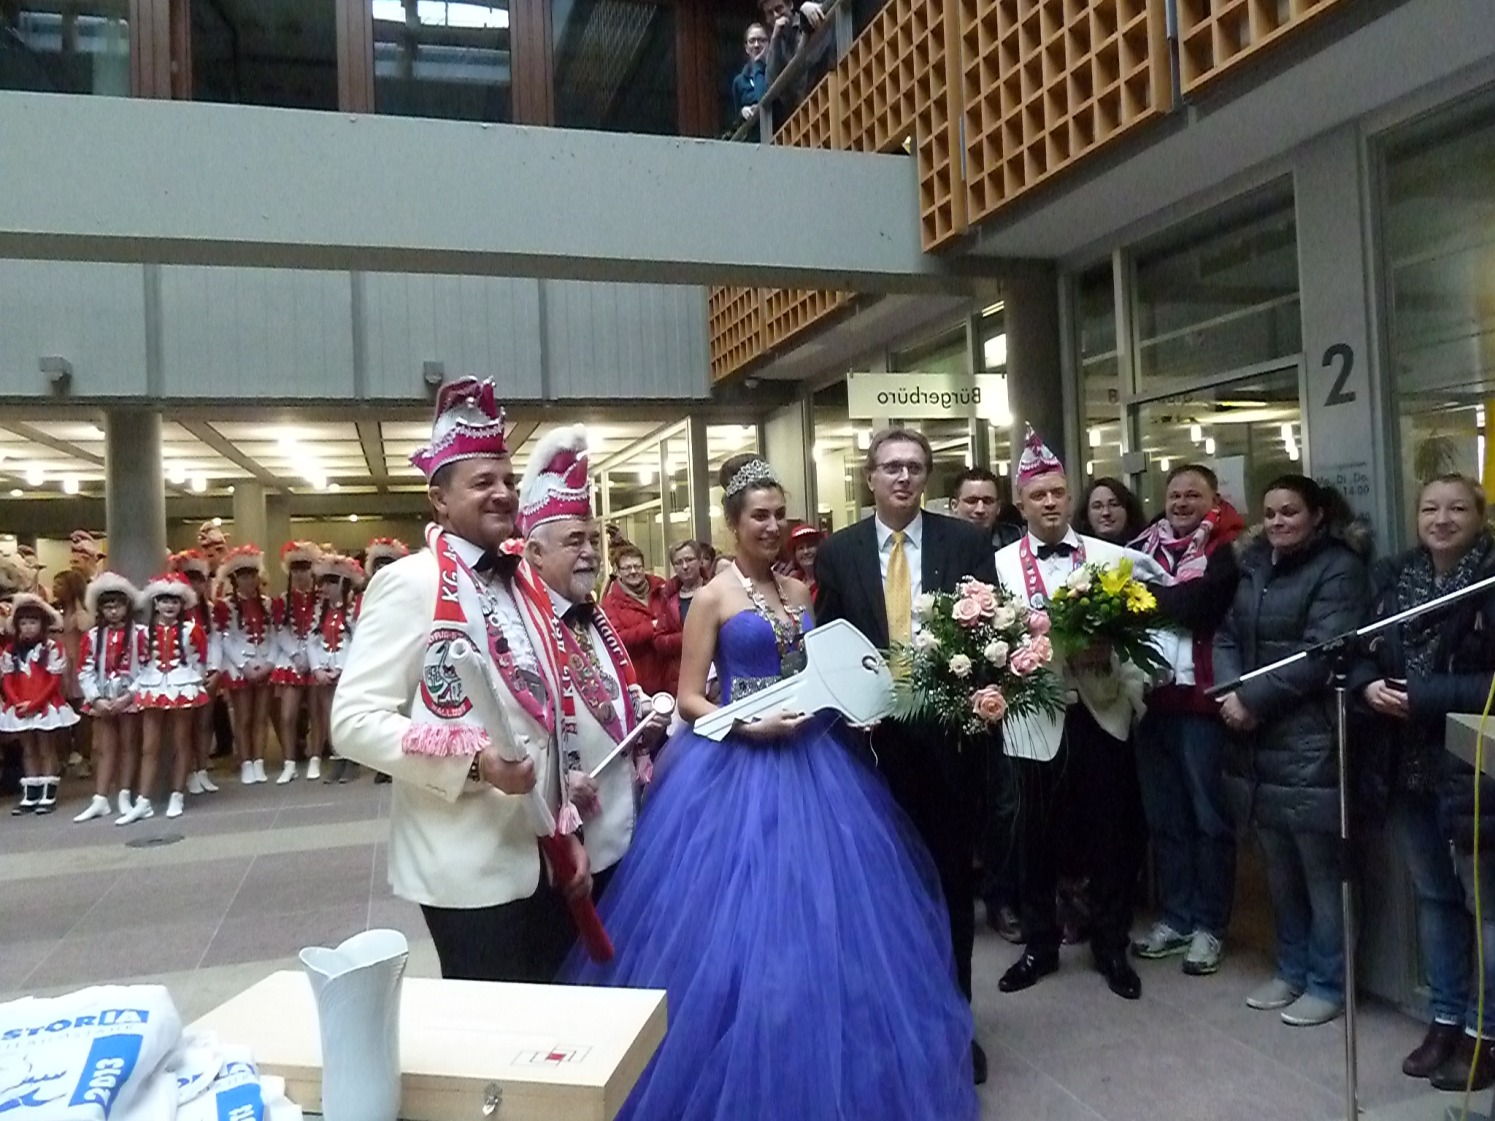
{"points": [[138, 812], [207, 784], [49, 794], [314, 767], [174, 804], [194, 783], [125, 801], [287, 773], [99, 807], [259, 771], [246, 773], [31, 794]]}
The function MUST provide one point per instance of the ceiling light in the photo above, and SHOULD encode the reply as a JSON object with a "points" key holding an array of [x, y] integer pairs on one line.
{"points": [[334, 486], [645, 476], [1090, 467], [35, 476], [819, 450], [17, 493], [1196, 433], [176, 474], [353, 518], [1095, 437], [1293, 453], [1002, 468], [70, 484], [1209, 445], [218, 522], [1287, 432], [864, 438], [199, 484], [1163, 464]]}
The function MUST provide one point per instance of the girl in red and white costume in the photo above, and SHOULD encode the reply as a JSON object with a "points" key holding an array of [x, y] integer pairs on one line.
{"points": [[245, 626], [106, 679], [198, 569], [171, 660], [32, 673], [295, 620], [339, 580]]}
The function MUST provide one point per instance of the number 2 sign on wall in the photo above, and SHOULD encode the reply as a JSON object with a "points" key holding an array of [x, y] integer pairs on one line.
{"points": [[1344, 355]]}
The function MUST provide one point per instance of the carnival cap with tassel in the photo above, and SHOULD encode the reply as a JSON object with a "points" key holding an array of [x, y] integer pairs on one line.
{"points": [[1037, 459], [469, 424], [556, 485]]}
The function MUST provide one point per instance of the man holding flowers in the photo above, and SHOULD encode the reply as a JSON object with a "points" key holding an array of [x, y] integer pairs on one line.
{"points": [[1074, 769]]}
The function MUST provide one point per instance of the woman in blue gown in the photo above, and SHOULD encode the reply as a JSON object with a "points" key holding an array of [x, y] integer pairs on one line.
{"points": [[777, 893]]}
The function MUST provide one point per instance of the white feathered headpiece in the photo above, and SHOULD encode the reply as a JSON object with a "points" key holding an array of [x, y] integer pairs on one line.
{"points": [[556, 485]]}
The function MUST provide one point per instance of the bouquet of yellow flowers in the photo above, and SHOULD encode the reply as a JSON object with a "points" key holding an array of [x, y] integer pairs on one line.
{"points": [[977, 657], [1105, 604]]}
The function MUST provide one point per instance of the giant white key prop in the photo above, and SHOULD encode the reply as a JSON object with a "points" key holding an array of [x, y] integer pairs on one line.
{"points": [[660, 704], [843, 671]]}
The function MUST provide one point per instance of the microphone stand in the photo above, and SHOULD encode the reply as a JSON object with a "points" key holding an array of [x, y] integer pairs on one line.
{"points": [[1339, 654]]}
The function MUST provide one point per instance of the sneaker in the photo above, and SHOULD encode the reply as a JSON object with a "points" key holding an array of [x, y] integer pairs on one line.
{"points": [[1308, 1011], [259, 771], [1276, 993], [207, 784], [194, 784], [246, 774], [99, 807], [1161, 941], [314, 768], [1203, 958], [124, 802], [138, 812], [287, 773], [175, 804]]}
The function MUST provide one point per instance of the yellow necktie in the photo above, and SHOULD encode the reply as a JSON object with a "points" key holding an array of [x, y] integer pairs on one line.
{"points": [[898, 595]]}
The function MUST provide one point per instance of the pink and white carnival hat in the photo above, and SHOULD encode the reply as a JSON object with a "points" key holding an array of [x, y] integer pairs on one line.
{"points": [[385, 548], [1037, 459], [108, 583], [469, 424], [171, 584], [343, 567], [556, 485]]}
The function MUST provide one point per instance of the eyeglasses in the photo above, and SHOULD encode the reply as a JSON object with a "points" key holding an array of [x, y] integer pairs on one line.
{"points": [[895, 468], [757, 40]]}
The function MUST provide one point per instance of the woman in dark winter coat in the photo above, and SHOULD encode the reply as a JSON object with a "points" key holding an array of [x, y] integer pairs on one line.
{"points": [[1416, 674], [1300, 585]]}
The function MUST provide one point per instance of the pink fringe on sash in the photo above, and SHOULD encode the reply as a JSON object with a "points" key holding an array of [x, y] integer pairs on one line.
{"points": [[569, 820], [443, 740]]}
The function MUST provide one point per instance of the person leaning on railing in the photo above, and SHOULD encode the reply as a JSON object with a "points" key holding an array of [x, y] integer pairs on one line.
{"points": [[751, 81], [1415, 675], [791, 28]]}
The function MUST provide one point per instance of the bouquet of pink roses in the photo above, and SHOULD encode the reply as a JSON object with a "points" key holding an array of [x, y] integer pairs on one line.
{"points": [[977, 656]]}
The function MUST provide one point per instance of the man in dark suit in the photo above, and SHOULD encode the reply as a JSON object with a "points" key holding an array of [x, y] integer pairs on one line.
{"points": [[870, 574]]}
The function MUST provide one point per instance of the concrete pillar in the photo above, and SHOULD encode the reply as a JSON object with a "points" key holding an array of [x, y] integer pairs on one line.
{"points": [[277, 527], [249, 514], [134, 493], [1035, 393], [700, 480]]}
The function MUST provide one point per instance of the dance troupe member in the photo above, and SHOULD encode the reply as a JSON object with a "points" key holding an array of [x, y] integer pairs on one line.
{"points": [[33, 670], [339, 580], [106, 678], [247, 652], [171, 659], [198, 570], [295, 615]]}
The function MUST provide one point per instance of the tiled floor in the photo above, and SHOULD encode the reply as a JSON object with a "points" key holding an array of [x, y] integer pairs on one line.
{"points": [[262, 871]]}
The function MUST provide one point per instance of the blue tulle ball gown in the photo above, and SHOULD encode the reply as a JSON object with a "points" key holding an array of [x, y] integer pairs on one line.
{"points": [[786, 905]]}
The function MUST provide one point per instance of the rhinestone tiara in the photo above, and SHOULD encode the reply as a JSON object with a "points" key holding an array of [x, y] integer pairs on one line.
{"points": [[755, 472]]}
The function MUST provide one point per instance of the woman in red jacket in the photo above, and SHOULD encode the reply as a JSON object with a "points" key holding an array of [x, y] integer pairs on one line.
{"points": [[631, 606]]}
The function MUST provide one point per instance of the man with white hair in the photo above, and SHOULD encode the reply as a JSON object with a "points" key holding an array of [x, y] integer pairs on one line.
{"points": [[601, 701], [460, 842]]}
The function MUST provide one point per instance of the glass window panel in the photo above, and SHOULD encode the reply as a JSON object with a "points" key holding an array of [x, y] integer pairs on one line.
{"points": [[1438, 231], [1100, 373], [1224, 299], [615, 65], [1249, 431], [992, 328], [722, 442], [840, 445], [265, 52], [438, 59], [66, 46]]}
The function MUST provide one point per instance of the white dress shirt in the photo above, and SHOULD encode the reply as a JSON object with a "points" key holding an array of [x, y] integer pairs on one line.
{"points": [[913, 538], [1054, 570]]}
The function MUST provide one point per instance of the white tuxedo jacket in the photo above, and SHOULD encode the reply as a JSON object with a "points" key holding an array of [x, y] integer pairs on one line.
{"points": [[452, 843], [1113, 698]]}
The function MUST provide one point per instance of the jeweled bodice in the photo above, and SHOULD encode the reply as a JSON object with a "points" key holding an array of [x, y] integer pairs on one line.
{"points": [[747, 655]]}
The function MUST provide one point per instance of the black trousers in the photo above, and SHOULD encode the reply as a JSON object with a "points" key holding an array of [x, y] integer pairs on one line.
{"points": [[524, 941], [1080, 802], [999, 847], [939, 784]]}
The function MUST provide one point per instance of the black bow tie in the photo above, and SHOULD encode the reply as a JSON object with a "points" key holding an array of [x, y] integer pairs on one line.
{"points": [[495, 563], [580, 612], [1062, 549]]}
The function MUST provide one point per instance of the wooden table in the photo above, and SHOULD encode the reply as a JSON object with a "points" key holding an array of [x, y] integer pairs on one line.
{"points": [[541, 1052]]}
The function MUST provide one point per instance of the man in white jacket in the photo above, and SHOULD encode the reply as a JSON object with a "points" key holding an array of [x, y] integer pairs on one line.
{"points": [[460, 843], [1071, 770]]}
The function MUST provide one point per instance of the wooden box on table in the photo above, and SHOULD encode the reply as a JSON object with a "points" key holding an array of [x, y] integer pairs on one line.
{"points": [[468, 1049]]}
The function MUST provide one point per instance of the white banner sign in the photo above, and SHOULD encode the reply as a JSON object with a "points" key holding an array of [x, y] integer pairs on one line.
{"points": [[928, 397]]}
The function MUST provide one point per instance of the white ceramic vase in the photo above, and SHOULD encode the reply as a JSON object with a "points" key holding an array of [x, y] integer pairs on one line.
{"points": [[357, 989]]}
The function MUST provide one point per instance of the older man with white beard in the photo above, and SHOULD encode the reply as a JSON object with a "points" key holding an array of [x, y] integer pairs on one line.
{"points": [[587, 665]]}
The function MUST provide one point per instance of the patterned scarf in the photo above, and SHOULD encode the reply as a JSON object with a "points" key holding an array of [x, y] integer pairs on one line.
{"points": [[1184, 558], [1417, 765]]}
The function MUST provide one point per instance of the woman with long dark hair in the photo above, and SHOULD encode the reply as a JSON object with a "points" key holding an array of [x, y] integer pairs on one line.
{"points": [[1109, 510]]}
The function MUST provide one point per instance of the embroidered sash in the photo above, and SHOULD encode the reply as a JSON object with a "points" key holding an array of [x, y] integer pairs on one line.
{"points": [[1032, 580]]}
